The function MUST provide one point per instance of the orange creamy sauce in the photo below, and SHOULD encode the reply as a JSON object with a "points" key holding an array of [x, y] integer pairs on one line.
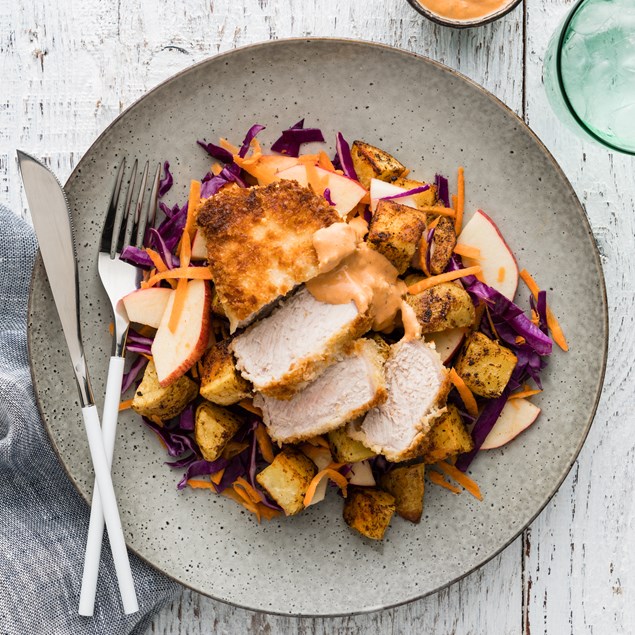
{"points": [[352, 271], [463, 9]]}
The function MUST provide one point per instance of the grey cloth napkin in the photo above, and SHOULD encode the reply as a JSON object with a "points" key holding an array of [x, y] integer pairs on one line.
{"points": [[43, 519]]}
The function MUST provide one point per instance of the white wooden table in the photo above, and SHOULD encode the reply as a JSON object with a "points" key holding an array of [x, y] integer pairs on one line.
{"points": [[68, 67]]}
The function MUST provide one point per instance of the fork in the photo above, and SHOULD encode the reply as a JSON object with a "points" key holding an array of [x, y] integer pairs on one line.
{"points": [[118, 279]]}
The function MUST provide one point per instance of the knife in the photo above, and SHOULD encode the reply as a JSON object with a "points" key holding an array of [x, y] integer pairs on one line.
{"points": [[52, 222]]}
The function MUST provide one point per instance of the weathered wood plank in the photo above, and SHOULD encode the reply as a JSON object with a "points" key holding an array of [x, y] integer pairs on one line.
{"points": [[579, 554]]}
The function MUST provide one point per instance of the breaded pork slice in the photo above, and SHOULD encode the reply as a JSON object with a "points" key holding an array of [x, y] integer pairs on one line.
{"points": [[260, 244], [418, 387], [287, 350], [345, 390]]}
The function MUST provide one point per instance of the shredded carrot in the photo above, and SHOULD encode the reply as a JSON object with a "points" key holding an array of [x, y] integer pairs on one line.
{"points": [[157, 261], [464, 392], [324, 161], [242, 499], [552, 321], [264, 443], [245, 501], [461, 479], [460, 203], [197, 483], [455, 202], [230, 147], [422, 285], [491, 322], [468, 251], [124, 405], [319, 441], [177, 307], [216, 478], [535, 319], [423, 253], [255, 145], [193, 203], [248, 404], [501, 274], [216, 169], [437, 210], [434, 223], [194, 371], [329, 472], [189, 273], [148, 357], [438, 479], [524, 393], [249, 489], [185, 250], [520, 340], [264, 173], [111, 328]]}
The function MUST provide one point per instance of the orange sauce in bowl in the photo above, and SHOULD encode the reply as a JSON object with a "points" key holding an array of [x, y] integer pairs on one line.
{"points": [[463, 9]]}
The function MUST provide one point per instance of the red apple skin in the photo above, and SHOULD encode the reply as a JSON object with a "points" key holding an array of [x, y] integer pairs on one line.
{"points": [[454, 339], [516, 416], [146, 306], [172, 357]]}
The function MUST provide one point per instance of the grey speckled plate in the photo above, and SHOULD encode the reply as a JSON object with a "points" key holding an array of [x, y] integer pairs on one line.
{"points": [[433, 120]]}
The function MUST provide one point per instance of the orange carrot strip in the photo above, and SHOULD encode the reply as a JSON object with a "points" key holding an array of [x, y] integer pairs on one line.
{"points": [[501, 274], [464, 392], [111, 328], [230, 147], [438, 479], [148, 357], [422, 285], [460, 203], [520, 340], [552, 321], [247, 404], [216, 478], [423, 253], [437, 210], [329, 472], [185, 252], [309, 159], [197, 483], [249, 489], [189, 273], [255, 144], [461, 479], [216, 169], [157, 261], [524, 393], [468, 251], [264, 443], [177, 307], [455, 202], [324, 161], [242, 498], [193, 203], [124, 405], [434, 223]]}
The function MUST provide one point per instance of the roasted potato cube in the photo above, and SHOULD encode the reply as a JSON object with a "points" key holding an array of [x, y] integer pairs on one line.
{"points": [[151, 400], [395, 231], [347, 450], [287, 479], [221, 383], [448, 437], [406, 484], [445, 306], [372, 163], [423, 199], [213, 428], [443, 243], [485, 366], [369, 511]]}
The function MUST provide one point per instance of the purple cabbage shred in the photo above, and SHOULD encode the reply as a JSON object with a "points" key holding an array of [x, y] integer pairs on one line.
{"points": [[165, 184]]}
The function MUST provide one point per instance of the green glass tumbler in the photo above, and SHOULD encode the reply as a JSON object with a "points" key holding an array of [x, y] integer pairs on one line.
{"points": [[589, 72]]}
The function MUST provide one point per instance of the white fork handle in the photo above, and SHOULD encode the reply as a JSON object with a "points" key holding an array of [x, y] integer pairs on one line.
{"points": [[104, 505]]}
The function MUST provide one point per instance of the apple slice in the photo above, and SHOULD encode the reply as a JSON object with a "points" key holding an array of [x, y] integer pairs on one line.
{"points": [[175, 353], [381, 189], [517, 415], [321, 460], [447, 342], [345, 193], [361, 474], [147, 306], [199, 247], [277, 162], [500, 270]]}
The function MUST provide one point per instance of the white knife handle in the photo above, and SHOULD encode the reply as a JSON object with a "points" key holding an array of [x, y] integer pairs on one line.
{"points": [[101, 465]]}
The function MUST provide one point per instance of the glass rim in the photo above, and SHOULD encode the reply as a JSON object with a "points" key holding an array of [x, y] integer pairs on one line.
{"points": [[563, 91]]}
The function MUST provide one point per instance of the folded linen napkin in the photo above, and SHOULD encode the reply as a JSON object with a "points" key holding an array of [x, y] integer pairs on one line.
{"points": [[43, 519]]}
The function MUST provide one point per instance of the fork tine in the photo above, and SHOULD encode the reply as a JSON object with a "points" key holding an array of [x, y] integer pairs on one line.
{"points": [[131, 227], [109, 232], [126, 230], [148, 216]]}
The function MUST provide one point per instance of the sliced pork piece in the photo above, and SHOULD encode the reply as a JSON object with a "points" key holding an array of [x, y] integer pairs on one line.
{"points": [[418, 387], [260, 244], [345, 390], [290, 348]]}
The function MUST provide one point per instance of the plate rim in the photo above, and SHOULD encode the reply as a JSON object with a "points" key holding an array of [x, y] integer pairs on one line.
{"points": [[583, 217]]}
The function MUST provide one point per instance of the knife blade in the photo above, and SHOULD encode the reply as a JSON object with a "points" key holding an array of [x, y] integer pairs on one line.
{"points": [[52, 222]]}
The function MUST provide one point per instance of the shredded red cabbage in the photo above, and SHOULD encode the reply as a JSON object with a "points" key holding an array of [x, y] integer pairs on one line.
{"points": [[139, 348], [133, 373], [199, 468], [166, 182], [483, 426], [137, 257], [176, 444], [249, 137], [216, 152], [344, 155], [415, 190], [327, 196], [292, 138], [137, 338], [443, 191], [186, 419], [161, 246], [181, 463]]}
